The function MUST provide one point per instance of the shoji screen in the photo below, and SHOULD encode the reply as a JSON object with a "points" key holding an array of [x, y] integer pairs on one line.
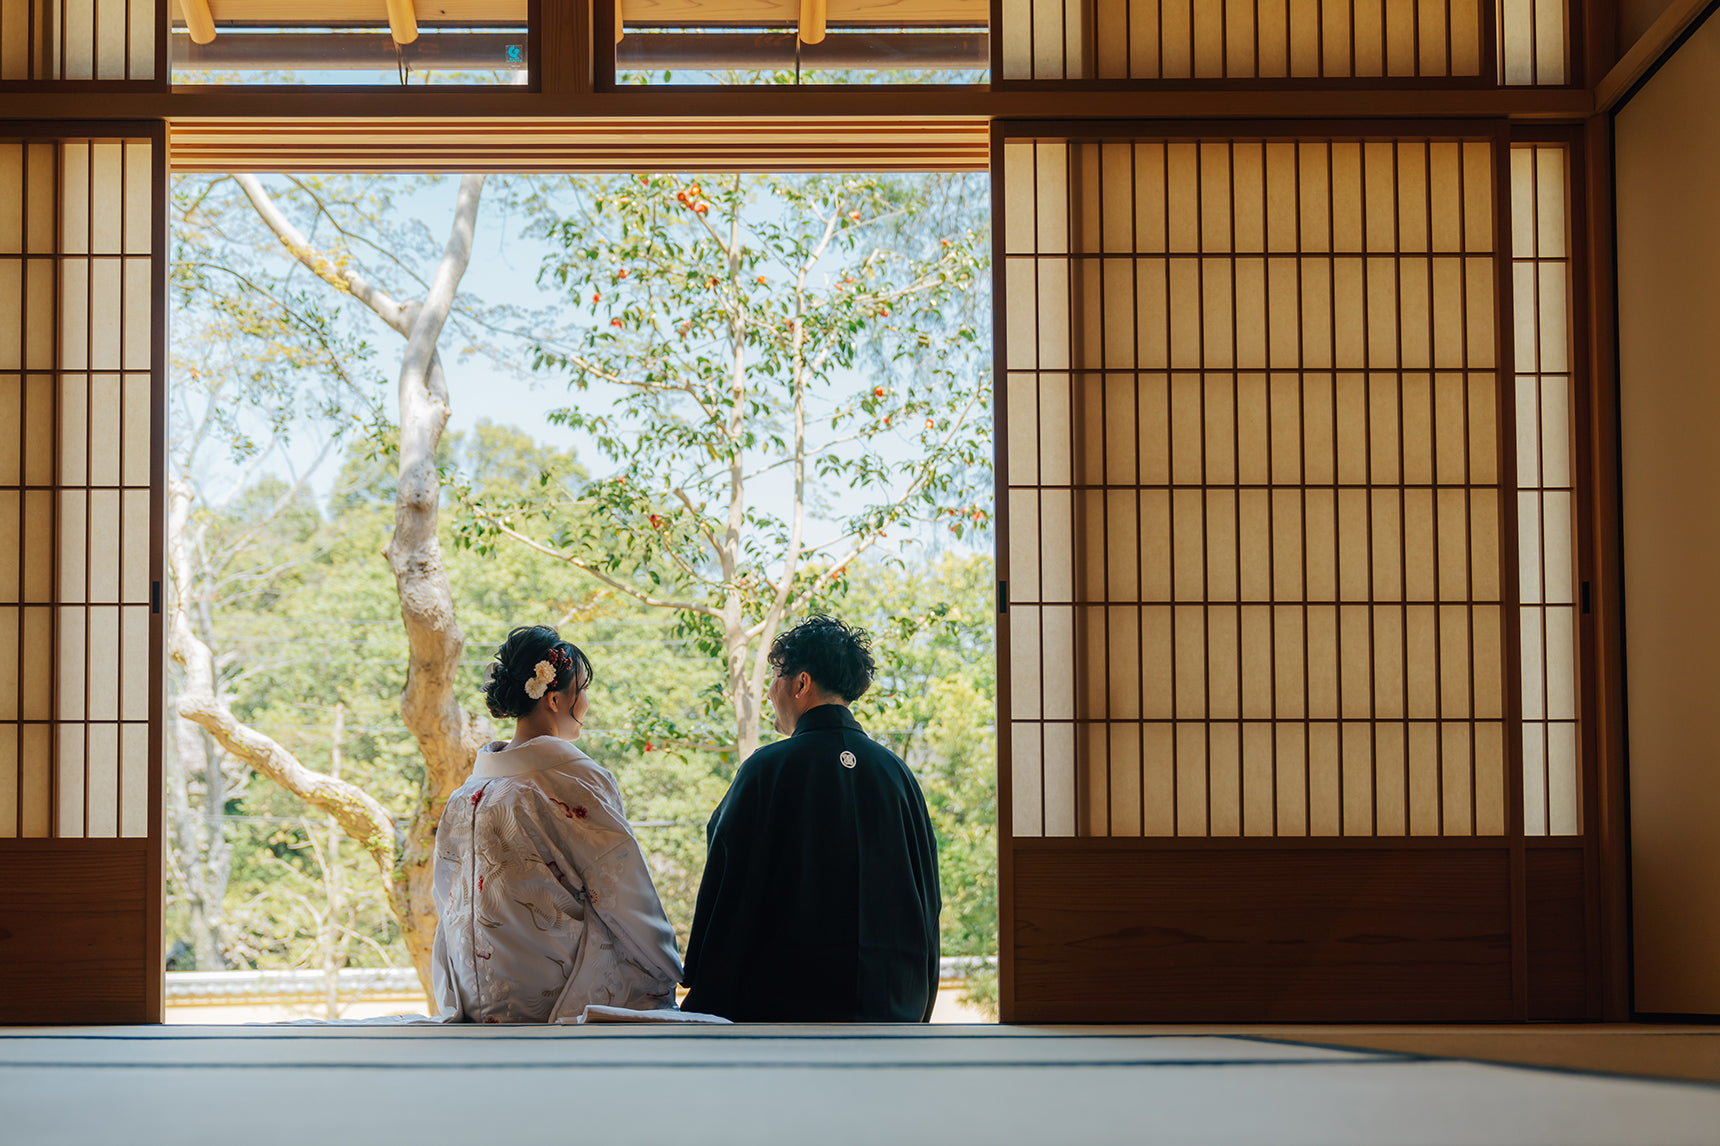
{"points": [[1267, 531], [81, 347], [1470, 42], [98, 40], [1263, 747], [1547, 582]]}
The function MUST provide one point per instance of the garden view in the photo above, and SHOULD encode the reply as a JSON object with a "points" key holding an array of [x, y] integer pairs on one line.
{"points": [[667, 414]]}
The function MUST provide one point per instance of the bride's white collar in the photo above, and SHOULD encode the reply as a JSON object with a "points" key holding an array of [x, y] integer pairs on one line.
{"points": [[540, 752]]}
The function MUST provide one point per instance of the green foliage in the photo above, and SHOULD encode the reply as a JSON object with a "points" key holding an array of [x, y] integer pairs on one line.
{"points": [[757, 351], [328, 633], [935, 705], [882, 331]]}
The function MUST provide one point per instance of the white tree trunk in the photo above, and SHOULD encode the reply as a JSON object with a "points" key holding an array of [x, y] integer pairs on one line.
{"points": [[447, 735]]}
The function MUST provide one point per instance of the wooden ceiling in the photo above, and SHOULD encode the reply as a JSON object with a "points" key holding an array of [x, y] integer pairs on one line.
{"points": [[948, 143]]}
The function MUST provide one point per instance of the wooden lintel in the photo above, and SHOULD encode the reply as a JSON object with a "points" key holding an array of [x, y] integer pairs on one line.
{"points": [[827, 129], [265, 106]]}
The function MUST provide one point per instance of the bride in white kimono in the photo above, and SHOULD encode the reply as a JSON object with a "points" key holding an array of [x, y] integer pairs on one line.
{"points": [[543, 899]]}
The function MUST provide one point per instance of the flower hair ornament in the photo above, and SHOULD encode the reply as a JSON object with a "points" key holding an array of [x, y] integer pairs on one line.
{"points": [[545, 672]]}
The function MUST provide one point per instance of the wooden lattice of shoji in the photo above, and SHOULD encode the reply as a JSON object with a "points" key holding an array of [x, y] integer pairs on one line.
{"points": [[1264, 41], [1254, 516], [1546, 495], [70, 40], [79, 343]]}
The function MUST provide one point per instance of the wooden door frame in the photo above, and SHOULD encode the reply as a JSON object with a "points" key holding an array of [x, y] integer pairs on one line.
{"points": [[261, 129], [1599, 958], [99, 935]]}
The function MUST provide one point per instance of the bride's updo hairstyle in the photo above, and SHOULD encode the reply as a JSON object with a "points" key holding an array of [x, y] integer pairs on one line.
{"points": [[514, 683]]}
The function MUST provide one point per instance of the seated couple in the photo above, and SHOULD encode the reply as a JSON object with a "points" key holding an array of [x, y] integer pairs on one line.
{"points": [[819, 900]]}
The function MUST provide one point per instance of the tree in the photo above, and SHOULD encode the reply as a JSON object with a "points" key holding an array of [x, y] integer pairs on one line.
{"points": [[777, 350], [234, 413], [935, 704], [447, 735]]}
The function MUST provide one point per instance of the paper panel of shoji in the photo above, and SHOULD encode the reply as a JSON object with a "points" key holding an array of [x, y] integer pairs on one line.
{"points": [[78, 39], [1242, 39], [1252, 500], [76, 229], [1533, 41], [1540, 261], [28, 187]]}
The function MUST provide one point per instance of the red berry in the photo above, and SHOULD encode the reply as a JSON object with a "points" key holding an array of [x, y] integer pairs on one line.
{"points": [[877, 391], [622, 273], [596, 297], [615, 322]]}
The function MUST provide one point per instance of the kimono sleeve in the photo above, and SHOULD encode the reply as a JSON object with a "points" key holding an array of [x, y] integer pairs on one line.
{"points": [[582, 814]]}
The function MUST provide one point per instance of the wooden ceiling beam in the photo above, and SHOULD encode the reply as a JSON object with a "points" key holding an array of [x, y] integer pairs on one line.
{"points": [[812, 17], [199, 21], [402, 21]]}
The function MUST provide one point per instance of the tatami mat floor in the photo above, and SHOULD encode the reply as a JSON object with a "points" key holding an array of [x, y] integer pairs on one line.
{"points": [[1652, 1050], [808, 1084]]}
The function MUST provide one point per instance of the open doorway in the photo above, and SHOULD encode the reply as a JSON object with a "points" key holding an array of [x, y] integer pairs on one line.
{"points": [[350, 534]]}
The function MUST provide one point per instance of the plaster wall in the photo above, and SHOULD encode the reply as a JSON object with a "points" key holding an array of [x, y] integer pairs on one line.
{"points": [[1668, 219]]}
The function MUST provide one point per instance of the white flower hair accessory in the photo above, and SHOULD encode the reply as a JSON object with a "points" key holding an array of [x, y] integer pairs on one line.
{"points": [[543, 675]]}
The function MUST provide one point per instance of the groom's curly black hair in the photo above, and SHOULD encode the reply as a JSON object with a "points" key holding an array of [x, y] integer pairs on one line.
{"points": [[838, 657]]}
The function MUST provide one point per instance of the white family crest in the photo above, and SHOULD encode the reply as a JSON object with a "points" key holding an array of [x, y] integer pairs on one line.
{"points": [[848, 760]]}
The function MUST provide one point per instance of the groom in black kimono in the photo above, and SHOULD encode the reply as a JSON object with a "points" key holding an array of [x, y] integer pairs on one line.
{"points": [[820, 897]]}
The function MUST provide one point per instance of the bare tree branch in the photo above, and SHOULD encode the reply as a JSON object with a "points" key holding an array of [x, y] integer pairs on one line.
{"points": [[580, 563], [358, 814]]}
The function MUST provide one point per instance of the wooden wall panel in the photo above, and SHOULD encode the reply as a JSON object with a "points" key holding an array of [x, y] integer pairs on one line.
{"points": [[74, 920], [1145, 934], [1557, 934]]}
